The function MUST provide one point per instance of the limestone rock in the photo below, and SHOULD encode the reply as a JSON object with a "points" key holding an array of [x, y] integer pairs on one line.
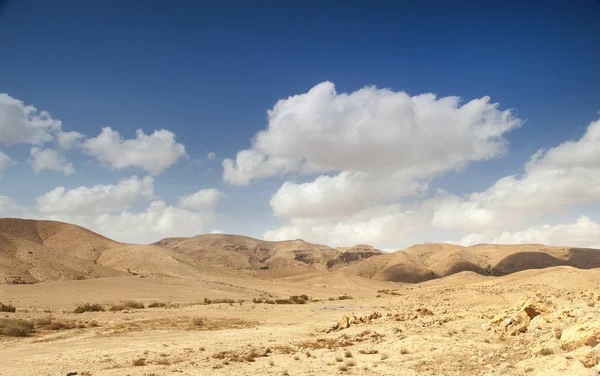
{"points": [[580, 335]]}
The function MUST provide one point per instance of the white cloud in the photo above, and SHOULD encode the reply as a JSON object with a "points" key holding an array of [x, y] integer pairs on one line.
{"points": [[158, 221], [203, 199], [5, 161], [391, 224], [216, 231], [211, 155], [49, 159], [96, 200], [22, 124], [585, 232], [67, 140], [372, 130], [9, 208], [153, 153], [565, 175], [380, 144]]}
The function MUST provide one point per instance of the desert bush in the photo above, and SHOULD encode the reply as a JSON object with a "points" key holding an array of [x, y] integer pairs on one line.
{"points": [[339, 359], [87, 307], [139, 362], [403, 351], [117, 308], [350, 363], [347, 354], [94, 324], [16, 327], [343, 368], [44, 321], [157, 305], [345, 297], [283, 301], [58, 325], [367, 351], [7, 308], [198, 321], [163, 362]]}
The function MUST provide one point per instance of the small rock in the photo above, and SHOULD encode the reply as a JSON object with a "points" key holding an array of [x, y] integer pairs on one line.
{"points": [[580, 335], [486, 326]]}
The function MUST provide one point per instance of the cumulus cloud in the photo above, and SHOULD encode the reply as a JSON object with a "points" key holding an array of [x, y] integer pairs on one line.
{"points": [[203, 199], [379, 144], [158, 221], [585, 232], [49, 159], [211, 155], [5, 161], [24, 124], [552, 181], [9, 208], [108, 210], [153, 153], [390, 224], [67, 140], [95, 200]]}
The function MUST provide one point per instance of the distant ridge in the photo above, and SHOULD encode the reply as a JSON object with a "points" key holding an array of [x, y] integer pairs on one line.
{"points": [[35, 251]]}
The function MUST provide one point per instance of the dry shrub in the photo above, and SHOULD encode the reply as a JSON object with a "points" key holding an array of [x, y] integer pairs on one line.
{"points": [[348, 354], [367, 351], [139, 362], [44, 321], [403, 351], [343, 368], [58, 325], [94, 324], [157, 305], [163, 362], [339, 359], [345, 297], [130, 304], [16, 327], [198, 321], [87, 307], [350, 363], [7, 308], [221, 301], [242, 355]]}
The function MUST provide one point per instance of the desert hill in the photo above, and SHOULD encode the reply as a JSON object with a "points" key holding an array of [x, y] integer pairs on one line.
{"points": [[434, 260], [35, 251], [242, 252]]}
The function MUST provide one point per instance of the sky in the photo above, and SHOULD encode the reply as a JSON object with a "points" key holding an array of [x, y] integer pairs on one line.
{"points": [[390, 124]]}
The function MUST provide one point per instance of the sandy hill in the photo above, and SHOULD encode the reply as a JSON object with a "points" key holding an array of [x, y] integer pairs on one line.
{"points": [[433, 260], [35, 251], [241, 252]]}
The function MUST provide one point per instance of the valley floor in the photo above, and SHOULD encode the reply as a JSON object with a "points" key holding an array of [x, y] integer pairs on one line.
{"points": [[464, 324]]}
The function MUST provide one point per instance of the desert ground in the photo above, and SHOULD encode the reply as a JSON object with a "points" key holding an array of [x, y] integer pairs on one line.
{"points": [[230, 305]]}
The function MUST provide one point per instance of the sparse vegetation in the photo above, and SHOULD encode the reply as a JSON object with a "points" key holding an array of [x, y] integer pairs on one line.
{"points": [[271, 363], [87, 307], [294, 299], [130, 304], [163, 362], [367, 351], [198, 321], [7, 308], [403, 351], [350, 363], [16, 327], [157, 305], [348, 354], [58, 325], [139, 362]]}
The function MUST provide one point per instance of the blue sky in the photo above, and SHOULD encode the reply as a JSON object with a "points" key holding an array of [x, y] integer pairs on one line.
{"points": [[208, 72]]}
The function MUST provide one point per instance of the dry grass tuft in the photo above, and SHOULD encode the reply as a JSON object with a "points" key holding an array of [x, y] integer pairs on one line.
{"points": [[367, 351], [16, 327], [348, 354], [139, 362], [198, 321], [87, 307], [350, 363], [7, 308], [130, 304], [339, 359], [403, 351]]}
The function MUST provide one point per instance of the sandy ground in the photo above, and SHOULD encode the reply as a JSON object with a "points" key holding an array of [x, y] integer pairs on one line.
{"points": [[442, 327]]}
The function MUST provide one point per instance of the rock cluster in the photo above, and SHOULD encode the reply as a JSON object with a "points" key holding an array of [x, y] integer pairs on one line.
{"points": [[346, 321]]}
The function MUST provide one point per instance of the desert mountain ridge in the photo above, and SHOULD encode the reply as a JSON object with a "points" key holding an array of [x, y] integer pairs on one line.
{"points": [[38, 250]]}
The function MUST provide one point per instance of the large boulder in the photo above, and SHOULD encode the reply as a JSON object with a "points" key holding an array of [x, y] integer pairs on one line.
{"points": [[580, 335]]}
